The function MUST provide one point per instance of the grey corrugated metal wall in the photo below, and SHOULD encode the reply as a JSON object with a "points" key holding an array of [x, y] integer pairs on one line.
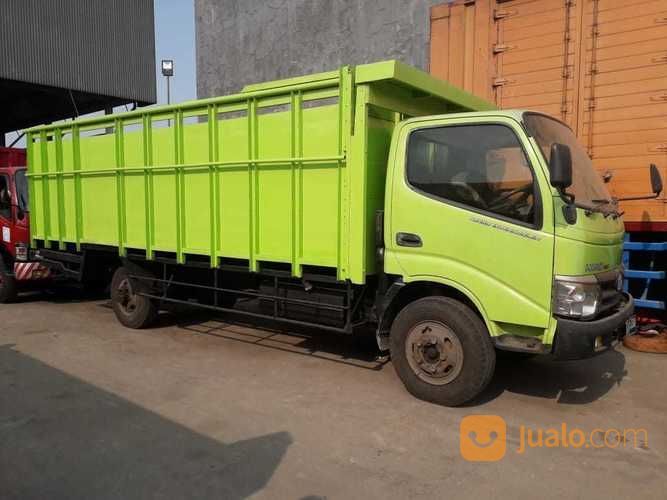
{"points": [[246, 41], [102, 47]]}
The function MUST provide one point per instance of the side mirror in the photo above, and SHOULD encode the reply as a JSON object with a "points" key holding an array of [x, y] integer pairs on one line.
{"points": [[560, 166], [656, 180]]}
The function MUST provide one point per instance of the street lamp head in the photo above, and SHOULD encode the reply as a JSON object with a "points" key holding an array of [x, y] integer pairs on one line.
{"points": [[167, 67]]}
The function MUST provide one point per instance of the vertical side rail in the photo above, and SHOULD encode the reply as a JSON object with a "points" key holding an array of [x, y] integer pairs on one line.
{"points": [[148, 183], [357, 173], [213, 119], [180, 187], [346, 131], [30, 146], [60, 187], [213, 185], [296, 181], [78, 201], [120, 185], [252, 179], [45, 187]]}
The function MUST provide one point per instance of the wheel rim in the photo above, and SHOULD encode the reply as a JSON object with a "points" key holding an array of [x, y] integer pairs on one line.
{"points": [[434, 352], [127, 300]]}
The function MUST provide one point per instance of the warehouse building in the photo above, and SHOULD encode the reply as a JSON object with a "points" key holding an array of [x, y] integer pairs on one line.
{"points": [[61, 59]]}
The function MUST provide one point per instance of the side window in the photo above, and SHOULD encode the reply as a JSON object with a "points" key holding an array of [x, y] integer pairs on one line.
{"points": [[5, 198], [480, 166]]}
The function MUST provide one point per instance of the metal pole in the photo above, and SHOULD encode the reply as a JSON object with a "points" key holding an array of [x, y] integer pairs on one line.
{"points": [[168, 99]]}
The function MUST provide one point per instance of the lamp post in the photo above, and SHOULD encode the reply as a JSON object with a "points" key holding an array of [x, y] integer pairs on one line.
{"points": [[168, 72]]}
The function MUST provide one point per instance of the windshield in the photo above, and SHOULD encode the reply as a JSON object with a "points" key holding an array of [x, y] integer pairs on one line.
{"points": [[21, 190], [587, 185]]}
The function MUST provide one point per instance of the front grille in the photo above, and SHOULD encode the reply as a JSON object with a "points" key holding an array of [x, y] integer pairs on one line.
{"points": [[610, 295]]}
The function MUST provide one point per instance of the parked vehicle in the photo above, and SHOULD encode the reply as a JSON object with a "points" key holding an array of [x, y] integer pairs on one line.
{"points": [[375, 195], [17, 269]]}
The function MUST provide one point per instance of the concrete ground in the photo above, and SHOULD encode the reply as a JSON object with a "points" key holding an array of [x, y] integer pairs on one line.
{"points": [[200, 408]]}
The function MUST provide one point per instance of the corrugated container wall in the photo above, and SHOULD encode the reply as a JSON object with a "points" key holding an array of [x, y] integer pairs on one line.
{"points": [[599, 65], [99, 46]]}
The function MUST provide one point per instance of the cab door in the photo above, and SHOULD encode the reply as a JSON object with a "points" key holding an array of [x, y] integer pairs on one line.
{"points": [[5, 211], [467, 208]]}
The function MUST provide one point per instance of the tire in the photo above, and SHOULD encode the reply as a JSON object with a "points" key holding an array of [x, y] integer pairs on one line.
{"points": [[430, 328], [132, 310], [8, 292]]}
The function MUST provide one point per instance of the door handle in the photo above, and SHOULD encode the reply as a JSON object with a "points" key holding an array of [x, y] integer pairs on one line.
{"points": [[408, 240]]}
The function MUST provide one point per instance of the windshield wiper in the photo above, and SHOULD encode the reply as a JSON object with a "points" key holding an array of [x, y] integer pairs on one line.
{"points": [[601, 202]]}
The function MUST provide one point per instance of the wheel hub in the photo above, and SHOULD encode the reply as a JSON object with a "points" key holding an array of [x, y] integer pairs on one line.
{"points": [[434, 352], [126, 297]]}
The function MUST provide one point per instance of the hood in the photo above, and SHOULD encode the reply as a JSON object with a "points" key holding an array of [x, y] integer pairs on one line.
{"points": [[592, 245]]}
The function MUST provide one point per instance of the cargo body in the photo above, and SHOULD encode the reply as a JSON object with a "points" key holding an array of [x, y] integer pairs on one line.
{"points": [[598, 65], [288, 174]]}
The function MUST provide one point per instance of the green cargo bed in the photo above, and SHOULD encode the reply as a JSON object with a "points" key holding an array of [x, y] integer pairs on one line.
{"points": [[286, 174]]}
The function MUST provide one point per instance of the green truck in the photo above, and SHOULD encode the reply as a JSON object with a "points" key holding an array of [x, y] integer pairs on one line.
{"points": [[374, 197]]}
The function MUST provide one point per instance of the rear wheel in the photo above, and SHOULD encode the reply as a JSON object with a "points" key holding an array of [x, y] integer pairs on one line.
{"points": [[132, 310], [8, 291], [442, 351]]}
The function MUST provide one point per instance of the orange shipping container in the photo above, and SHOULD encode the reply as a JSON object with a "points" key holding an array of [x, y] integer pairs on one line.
{"points": [[599, 65]]}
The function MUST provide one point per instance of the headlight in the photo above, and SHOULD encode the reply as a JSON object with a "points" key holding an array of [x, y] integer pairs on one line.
{"points": [[576, 297]]}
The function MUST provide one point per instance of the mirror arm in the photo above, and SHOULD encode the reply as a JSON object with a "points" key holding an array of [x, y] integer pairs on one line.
{"points": [[567, 197], [646, 197]]}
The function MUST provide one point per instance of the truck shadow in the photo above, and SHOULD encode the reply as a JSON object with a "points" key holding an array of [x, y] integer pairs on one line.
{"points": [[62, 294], [61, 437], [568, 382], [356, 350]]}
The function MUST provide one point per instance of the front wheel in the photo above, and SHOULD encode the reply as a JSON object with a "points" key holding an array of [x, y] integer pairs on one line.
{"points": [[8, 291], [442, 351], [132, 310]]}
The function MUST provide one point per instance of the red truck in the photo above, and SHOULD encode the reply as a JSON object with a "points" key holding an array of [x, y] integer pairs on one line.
{"points": [[17, 268]]}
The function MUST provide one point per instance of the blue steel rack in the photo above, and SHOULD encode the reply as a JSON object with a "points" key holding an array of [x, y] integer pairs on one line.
{"points": [[649, 275]]}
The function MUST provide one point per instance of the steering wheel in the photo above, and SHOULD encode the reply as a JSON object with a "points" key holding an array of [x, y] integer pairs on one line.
{"points": [[468, 192], [504, 201]]}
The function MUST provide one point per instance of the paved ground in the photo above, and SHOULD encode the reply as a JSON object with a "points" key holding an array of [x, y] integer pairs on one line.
{"points": [[198, 408]]}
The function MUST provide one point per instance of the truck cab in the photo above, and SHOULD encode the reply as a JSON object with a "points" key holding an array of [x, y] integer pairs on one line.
{"points": [[504, 212], [16, 269]]}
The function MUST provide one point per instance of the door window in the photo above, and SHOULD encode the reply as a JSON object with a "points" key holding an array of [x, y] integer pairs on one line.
{"points": [[480, 167], [5, 198]]}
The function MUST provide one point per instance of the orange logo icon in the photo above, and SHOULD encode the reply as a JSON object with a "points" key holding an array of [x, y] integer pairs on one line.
{"points": [[483, 438]]}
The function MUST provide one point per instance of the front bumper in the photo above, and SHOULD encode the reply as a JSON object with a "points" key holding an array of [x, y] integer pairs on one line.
{"points": [[576, 339], [31, 271]]}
